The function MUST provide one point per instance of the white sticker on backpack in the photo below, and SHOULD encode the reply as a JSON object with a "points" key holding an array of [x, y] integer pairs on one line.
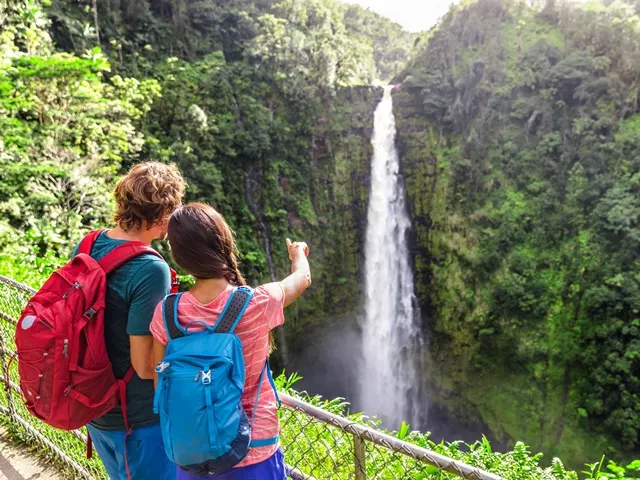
{"points": [[28, 321]]}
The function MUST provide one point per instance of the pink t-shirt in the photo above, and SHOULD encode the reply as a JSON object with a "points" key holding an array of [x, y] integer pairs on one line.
{"points": [[265, 312]]}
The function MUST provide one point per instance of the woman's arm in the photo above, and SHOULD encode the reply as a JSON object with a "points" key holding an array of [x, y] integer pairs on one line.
{"points": [[158, 356], [300, 279]]}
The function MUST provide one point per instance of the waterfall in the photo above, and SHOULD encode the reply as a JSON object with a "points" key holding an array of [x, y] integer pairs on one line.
{"points": [[392, 339]]}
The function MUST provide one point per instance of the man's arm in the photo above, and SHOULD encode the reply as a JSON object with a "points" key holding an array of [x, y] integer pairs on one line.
{"points": [[158, 354], [142, 355], [152, 283]]}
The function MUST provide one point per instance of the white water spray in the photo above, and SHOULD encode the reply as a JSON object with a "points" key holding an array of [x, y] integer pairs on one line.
{"points": [[391, 339]]}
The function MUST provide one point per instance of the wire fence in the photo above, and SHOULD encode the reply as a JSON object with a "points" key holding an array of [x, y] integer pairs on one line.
{"points": [[318, 445]]}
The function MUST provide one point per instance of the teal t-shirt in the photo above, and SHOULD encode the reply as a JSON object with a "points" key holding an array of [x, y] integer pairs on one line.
{"points": [[133, 291]]}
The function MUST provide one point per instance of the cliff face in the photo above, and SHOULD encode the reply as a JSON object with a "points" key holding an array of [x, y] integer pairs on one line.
{"points": [[340, 158], [323, 333], [472, 391], [514, 127]]}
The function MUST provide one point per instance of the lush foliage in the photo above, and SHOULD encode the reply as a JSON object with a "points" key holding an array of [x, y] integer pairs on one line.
{"points": [[527, 214], [303, 437], [65, 134], [250, 106]]}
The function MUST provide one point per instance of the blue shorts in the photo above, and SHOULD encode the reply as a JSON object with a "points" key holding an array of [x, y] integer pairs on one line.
{"points": [[145, 453], [270, 469]]}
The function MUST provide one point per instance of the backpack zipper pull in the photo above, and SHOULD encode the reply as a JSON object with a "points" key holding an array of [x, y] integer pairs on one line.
{"points": [[65, 348], [75, 286], [197, 376], [162, 366]]}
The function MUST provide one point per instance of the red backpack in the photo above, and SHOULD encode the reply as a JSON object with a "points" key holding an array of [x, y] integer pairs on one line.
{"points": [[65, 374]]}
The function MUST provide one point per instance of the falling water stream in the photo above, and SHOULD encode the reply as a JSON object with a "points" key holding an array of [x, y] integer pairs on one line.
{"points": [[392, 339]]}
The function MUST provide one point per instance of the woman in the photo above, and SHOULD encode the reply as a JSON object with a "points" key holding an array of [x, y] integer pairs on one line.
{"points": [[202, 244]]}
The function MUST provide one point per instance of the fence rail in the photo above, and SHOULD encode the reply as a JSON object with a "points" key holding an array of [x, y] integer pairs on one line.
{"points": [[318, 444]]}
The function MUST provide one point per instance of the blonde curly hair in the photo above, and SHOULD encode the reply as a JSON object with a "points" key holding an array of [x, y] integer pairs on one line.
{"points": [[147, 195]]}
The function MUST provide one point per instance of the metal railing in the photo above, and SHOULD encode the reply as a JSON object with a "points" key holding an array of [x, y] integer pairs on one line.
{"points": [[318, 444]]}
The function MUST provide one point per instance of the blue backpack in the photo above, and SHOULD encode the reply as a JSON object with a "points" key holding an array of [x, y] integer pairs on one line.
{"points": [[199, 394]]}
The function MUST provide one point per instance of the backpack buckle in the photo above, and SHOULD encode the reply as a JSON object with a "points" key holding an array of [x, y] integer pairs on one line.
{"points": [[162, 366], [89, 314], [206, 377]]}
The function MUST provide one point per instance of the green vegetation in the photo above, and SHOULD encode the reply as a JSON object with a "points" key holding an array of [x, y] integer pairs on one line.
{"points": [[336, 456], [66, 132], [520, 136], [253, 109], [520, 132]]}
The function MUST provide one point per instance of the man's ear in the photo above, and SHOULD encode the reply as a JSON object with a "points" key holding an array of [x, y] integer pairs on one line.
{"points": [[162, 228]]}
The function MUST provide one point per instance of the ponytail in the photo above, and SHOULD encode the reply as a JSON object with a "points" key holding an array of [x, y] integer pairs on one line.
{"points": [[233, 275]]}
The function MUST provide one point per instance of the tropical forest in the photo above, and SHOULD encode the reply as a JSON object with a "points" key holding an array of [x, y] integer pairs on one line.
{"points": [[470, 195]]}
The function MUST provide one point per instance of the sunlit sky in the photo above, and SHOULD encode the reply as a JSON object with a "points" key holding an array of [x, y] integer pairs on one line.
{"points": [[413, 15]]}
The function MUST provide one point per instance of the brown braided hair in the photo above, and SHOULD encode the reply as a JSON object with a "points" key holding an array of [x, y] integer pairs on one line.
{"points": [[202, 244]]}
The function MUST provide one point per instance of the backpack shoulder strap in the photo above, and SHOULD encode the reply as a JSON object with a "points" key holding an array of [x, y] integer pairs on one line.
{"points": [[233, 310], [123, 253], [170, 317], [88, 241]]}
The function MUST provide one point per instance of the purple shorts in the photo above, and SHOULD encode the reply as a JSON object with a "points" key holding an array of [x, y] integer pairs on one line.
{"points": [[270, 469]]}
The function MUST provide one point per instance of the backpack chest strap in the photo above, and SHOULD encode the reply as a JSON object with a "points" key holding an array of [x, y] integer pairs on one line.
{"points": [[264, 442]]}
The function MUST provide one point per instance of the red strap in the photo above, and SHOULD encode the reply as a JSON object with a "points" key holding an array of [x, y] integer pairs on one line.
{"points": [[89, 446], [125, 252], [129, 375], [122, 254], [175, 284], [86, 401], [122, 388], [122, 391], [87, 242], [126, 460]]}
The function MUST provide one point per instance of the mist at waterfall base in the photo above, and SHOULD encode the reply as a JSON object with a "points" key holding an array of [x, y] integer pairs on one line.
{"points": [[328, 359], [375, 361]]}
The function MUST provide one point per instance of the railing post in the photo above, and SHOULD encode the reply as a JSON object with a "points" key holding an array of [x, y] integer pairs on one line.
{"points": [[359, 452]]}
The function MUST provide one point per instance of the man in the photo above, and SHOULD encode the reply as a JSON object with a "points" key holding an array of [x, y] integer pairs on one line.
{"points": [[145, 199]]}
